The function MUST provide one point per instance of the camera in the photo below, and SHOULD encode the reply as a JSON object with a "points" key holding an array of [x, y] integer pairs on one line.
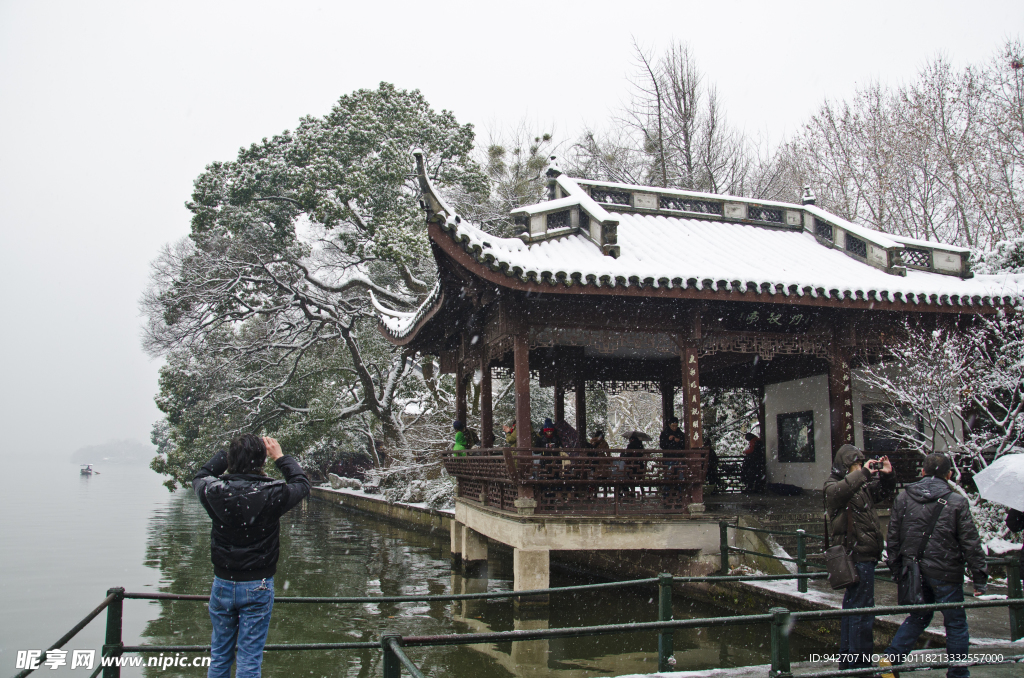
{"points": [[875, 465]]}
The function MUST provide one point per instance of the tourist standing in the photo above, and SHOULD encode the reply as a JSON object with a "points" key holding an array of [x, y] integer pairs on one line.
{"points": [[850, 496], [951, 544], [246, 507]]}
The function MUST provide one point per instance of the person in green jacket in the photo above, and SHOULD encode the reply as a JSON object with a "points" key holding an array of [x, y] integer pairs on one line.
{"points": [[461, 443]]}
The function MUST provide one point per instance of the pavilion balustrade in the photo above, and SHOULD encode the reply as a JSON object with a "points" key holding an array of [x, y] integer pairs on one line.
{"points": [[570, 481]]}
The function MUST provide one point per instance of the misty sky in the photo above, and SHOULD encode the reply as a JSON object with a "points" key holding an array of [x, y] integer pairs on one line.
{"points": [[109, 110]]}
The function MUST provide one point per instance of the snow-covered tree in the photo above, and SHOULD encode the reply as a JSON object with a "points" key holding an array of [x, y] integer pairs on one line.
{"points": [[264, 314]]}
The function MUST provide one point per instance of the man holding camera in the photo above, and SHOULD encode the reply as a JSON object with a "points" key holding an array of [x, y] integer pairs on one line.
{"points": [[851, 492], [953, 543], [246, 507]]}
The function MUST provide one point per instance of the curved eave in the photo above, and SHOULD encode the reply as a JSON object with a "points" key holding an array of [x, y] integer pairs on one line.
{"points": [[426, 312], [487, 267]]}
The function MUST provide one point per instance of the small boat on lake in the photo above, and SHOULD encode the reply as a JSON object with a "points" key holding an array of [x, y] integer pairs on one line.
{"points": [[87, 470]]}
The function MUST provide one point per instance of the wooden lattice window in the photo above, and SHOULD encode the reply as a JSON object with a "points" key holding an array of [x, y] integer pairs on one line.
{"points": [[772, 216], [558, 220], [584, 221], [606, 195], [917, 257], [823, 229], [856, 246], [678, 204]]}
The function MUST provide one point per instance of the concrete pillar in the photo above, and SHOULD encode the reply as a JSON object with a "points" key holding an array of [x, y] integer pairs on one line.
{"points": [[530, 569], [474, 552], [456, 532]]}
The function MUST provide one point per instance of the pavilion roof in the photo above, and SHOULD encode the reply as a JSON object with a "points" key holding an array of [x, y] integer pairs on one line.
{"points": [[613, 238]]}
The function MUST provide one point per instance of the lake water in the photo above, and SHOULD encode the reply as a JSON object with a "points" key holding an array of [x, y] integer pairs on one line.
{"points": [[65, 539]]}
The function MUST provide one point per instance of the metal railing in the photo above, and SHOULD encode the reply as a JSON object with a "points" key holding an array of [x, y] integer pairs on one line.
{"points": [[395, 659], [1015, 587]]}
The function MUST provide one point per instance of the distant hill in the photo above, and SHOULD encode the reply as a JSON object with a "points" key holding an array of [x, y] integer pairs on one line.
{"points": [[114, 452]]}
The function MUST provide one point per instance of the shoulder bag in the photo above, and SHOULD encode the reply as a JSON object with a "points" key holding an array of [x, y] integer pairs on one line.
{"points": [[842, 573], [909, 586]]}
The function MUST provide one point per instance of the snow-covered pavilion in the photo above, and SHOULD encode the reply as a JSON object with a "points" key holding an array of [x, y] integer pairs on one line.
{"points": [[622, 283]]}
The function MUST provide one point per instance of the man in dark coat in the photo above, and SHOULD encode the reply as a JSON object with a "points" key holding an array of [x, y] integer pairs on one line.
{"points": [[850, 496], [246, 507], [954, 543], [671, 436]]}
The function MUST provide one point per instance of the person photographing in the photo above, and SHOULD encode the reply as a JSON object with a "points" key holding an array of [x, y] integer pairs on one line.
{"points": [[851, 492], [246, 507]]}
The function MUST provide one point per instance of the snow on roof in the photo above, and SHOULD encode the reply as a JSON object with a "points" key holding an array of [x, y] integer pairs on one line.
{"points": [[679, 252], [660, 248], [399, 324]]}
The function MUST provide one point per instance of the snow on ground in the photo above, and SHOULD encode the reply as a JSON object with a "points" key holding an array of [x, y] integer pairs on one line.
{"points": [[376, 497]]}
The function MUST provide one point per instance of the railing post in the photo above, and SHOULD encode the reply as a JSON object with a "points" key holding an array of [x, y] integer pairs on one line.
{"points": [[801, 560], [392, 665], [666, 660], [1015, 590], [781, 623], [723, 532], [113, 643]]}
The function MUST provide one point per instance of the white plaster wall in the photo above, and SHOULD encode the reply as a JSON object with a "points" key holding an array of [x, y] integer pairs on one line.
{"points": [[863, 394], [799, 395]]}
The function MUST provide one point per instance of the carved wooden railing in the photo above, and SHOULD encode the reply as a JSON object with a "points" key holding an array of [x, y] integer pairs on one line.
{"points": [[570, 481]]}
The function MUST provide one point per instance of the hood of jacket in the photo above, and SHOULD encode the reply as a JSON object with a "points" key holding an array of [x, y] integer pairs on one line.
{"points": [[927, 489], [846, 456]]}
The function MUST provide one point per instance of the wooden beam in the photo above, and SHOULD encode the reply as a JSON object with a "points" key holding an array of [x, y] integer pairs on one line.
{"points": [[691, 408], [460, 394], [486, 409], [559, 399], [521, 350], [840, 397], [581, 407], [667, 404]]}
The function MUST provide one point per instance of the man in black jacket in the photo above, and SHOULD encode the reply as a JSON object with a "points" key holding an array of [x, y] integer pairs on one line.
{"points": [[246, 507], [954, 543], [851, 492]]}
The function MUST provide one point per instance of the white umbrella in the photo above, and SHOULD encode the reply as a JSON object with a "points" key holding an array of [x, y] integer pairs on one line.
{"points": [[1003, 481]]}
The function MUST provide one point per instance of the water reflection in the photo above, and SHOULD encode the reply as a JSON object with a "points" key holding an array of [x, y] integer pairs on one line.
{"points": [[328, 552]]}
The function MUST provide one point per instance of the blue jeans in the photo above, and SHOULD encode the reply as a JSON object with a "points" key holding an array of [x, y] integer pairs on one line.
{"points": [[855, 631], [240, 612], [957, 639]]}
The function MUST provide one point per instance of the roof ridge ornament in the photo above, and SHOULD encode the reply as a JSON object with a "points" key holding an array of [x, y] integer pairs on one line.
{"points": [[434, 204]]}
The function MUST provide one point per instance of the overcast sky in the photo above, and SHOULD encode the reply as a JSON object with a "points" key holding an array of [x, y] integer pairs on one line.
{"points": [[109, 110]]}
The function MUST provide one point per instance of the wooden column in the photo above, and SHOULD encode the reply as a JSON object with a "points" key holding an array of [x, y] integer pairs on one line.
{"points": [[486, 411], [840, 398], [581, 408], [761, 417], [521, 358], [667, 405], [559, 399], [460, 393], [691, 391]]}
